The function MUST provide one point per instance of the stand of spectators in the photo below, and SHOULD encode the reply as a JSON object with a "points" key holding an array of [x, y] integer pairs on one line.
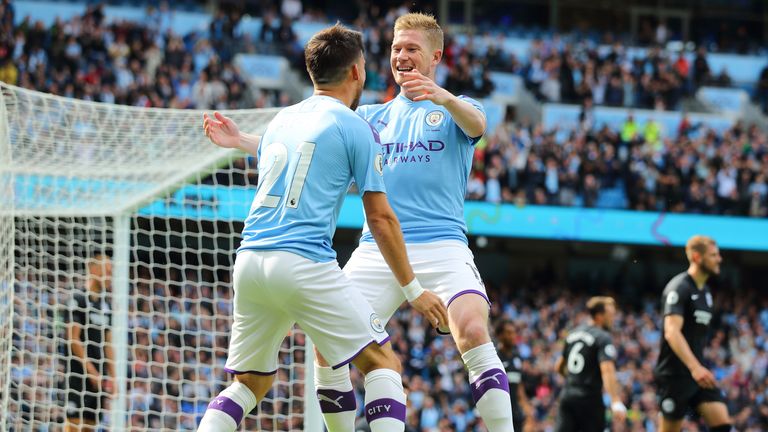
{"points": [[698, 171]]}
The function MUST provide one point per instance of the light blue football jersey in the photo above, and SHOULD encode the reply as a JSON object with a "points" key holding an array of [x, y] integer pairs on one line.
{"points": [[308, 156], [427, 159]]}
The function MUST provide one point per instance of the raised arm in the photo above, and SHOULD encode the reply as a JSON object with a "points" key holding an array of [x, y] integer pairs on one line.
{"points": [[470, 119], [385, 229], [223, 132]]}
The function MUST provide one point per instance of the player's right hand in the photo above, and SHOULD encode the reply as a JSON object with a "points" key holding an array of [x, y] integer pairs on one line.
{"points": [[703, 377], [221, 130], [433, 309]]}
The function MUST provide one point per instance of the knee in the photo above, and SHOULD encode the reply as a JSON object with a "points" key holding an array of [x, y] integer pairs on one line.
{"points": [[472, 334]]}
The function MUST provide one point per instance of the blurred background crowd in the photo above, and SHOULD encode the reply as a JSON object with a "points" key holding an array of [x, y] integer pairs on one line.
{"points": [[180, 320]]}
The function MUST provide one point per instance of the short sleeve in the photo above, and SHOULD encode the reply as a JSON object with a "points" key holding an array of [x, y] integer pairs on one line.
{"points": [[606, 350], [479, 106], [364, 147], [674, 302]]}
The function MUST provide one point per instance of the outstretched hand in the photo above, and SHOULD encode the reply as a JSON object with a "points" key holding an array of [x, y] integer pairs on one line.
{"points": [[418, 87], [221, 130]]}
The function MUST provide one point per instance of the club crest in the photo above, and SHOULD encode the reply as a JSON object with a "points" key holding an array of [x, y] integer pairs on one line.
{"points": [[376, 324], [434, 118]]}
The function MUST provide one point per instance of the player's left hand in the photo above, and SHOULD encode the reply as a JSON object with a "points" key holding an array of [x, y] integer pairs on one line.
{"points": [[418, 87], [619, 411]]}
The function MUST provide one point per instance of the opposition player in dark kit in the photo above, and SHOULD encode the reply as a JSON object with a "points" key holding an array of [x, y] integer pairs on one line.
{"points": [[682, 381], [588, 365]]}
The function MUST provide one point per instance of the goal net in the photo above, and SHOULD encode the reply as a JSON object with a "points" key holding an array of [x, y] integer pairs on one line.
{"points": [[143, 186]]}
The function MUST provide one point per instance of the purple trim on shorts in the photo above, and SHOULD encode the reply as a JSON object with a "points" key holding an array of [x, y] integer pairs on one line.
{"points": [[480, 293], [384, 408], [358, 352], [334, 401], [489, 380], [234, 372], [228, 407]]}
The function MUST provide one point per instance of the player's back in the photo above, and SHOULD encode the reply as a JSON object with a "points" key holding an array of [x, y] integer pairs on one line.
{"points": [[308, 156], [585, 347]]}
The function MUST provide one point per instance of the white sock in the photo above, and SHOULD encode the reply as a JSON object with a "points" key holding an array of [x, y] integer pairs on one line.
{"points": [[227, 410], [337, 400], [490, 387], [384, 401]]}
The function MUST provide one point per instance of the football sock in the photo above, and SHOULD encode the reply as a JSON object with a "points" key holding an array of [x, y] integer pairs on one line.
{"points": [[384, 401], [337, 400], [490, 387], [227, 409]]}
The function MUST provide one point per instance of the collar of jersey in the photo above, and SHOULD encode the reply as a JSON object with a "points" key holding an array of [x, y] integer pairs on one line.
{"points": [[330, 98], [405, 100]]}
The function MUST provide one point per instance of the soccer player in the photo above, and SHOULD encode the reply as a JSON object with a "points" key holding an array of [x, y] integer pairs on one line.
{"points": [[522, 411], [427, 136], [286, 271], [89, 361], [588, 365], [681, 379]]}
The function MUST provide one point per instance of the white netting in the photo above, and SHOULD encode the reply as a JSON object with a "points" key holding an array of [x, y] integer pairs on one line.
{"points": [[82, 174]]}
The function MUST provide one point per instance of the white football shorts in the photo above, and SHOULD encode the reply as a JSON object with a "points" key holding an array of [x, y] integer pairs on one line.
{"points": [[274, 290], [446, 268]]}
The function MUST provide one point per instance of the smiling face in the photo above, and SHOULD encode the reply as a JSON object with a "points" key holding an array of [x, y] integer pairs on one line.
{"points": [[411, 50]]}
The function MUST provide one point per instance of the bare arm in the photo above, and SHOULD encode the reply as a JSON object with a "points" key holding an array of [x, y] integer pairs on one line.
{"points": [[249, 143], [110, 353], [74, 330], [524, 402], [673, 334], [470, 119], [385, 229], [608, 372], [560, 366], [224, 132]]}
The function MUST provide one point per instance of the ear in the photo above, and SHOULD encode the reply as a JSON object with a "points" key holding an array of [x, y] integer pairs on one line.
{"points": [[437, 55], [355, 72]]}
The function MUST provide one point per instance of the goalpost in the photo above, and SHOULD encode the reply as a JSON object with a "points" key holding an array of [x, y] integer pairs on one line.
{"points": [[145, 187]]}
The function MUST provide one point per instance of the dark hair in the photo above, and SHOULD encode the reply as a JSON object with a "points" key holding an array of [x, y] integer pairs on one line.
{"points": [[330, 53], [596, 305], [500, 326]]}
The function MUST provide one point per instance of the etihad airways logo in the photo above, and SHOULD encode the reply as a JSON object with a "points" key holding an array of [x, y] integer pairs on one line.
{"points": [[414, 151]]}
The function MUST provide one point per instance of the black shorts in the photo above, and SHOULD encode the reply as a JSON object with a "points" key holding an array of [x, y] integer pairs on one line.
{"points": [[580, 414], [676, 395]]}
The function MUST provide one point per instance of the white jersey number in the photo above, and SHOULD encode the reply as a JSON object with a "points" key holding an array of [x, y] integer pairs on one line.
{"points": [[278, 152], [575, 359]]}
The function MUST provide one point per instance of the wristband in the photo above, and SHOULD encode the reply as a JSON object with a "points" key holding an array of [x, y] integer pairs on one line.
{"points": [[413, 290], [618, 407]]}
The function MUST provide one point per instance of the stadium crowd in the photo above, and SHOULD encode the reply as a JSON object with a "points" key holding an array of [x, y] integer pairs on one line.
{"points": [[180, 321], [696, 171]]}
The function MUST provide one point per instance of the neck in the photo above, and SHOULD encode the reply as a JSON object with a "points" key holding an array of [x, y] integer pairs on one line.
{"points": [[335, 92], [597, 322], [698, 276]]}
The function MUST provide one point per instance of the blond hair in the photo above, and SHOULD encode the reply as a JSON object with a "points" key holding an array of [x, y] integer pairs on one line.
{"points": [[422, 22], [596, 305], [698, 243]]}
